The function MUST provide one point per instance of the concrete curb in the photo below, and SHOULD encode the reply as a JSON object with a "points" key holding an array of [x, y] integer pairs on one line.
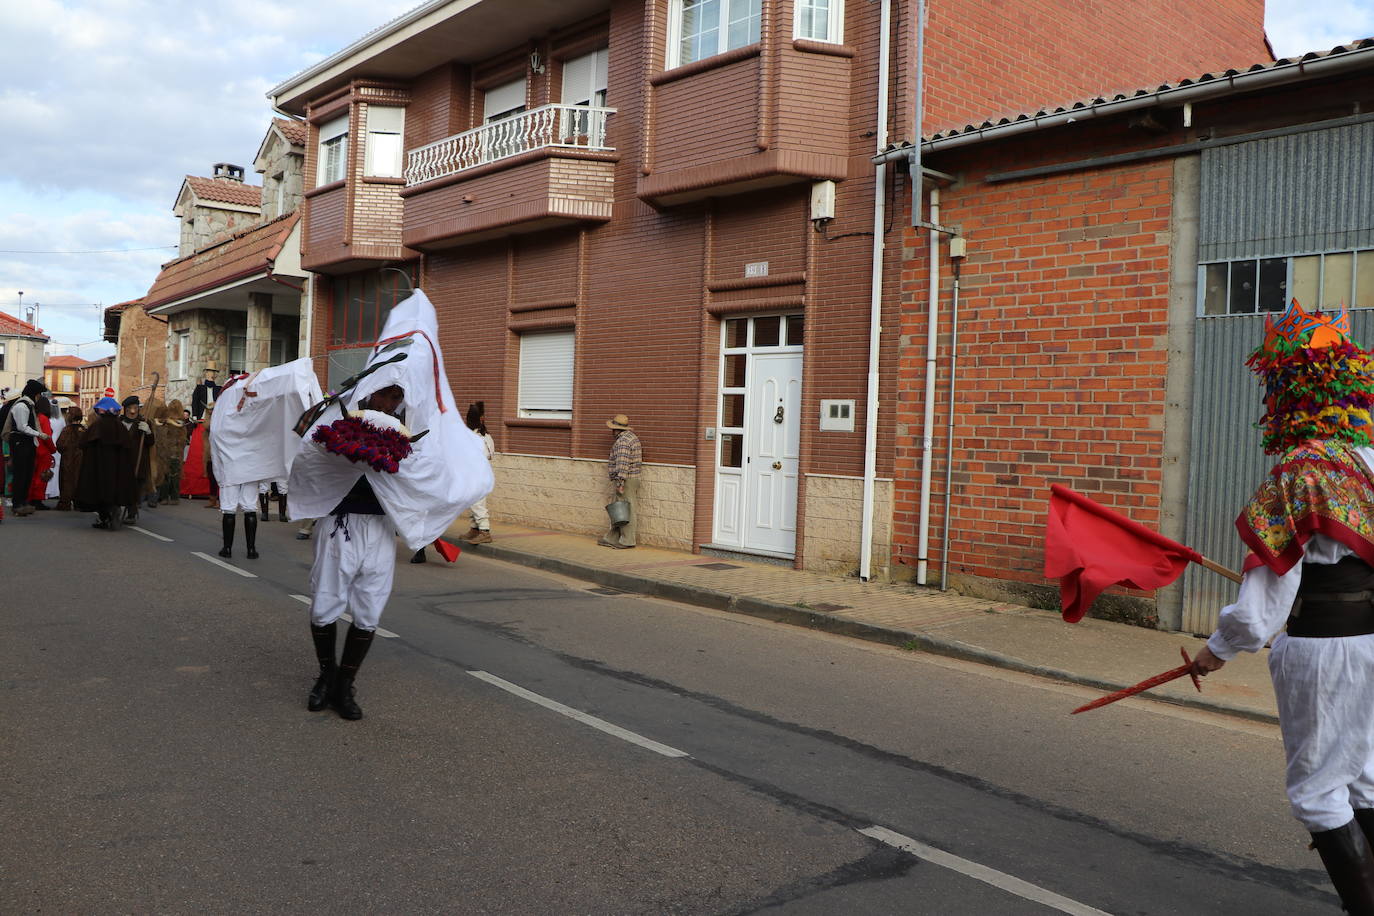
{"points": [[913, 640]]}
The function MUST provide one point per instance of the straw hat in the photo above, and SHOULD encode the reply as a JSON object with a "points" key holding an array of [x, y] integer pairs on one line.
{"points": [[619, 421]]}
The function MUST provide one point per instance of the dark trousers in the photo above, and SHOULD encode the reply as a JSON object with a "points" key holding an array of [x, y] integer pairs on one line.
{"points": [[22, 454]]}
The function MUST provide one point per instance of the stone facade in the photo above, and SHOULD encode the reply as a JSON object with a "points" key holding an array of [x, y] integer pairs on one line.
{"points": [[282, 166], [534, 490], [203, 224], [834, 522], [208, 342], [141, 352]]}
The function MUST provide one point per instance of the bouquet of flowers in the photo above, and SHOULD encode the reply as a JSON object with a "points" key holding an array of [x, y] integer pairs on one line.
{"points": [[369, 436]]}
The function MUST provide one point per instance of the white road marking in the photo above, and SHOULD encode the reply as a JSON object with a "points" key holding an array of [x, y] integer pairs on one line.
{"points": [[385, 634], [229, 566], [150, 534], [997, 879], [578, 715]]}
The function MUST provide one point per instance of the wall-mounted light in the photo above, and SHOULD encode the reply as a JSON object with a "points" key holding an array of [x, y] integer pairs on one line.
{"points": [[536, 63]]}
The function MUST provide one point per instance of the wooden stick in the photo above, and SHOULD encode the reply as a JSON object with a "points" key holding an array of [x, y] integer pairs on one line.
{"points": [[1219, 569]]}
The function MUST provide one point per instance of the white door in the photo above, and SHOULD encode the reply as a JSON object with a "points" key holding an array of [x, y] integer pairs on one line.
{"points": [[772, 444], [758, 434]]}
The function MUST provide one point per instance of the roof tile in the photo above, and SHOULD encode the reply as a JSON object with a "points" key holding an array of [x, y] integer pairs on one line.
{"points": [[245, 254], [225, 191], [293, 131], [13, 327]]}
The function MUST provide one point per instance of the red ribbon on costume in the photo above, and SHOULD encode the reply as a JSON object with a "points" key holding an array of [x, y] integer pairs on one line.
{"points": [[438, 396]]}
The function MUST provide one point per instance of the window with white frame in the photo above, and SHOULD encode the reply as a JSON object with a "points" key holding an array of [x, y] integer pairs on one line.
{"points": [[546, 375], [181, 354], [333, 162], [385, 126], [698, 29], [820, 20], [1317, 281], [584, 85], [2, 357]]}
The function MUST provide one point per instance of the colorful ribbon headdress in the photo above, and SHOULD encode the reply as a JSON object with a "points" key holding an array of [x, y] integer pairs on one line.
{"points": [[1318, 383]]}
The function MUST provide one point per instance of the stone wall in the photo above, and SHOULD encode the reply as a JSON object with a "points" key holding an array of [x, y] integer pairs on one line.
{"points": [[283, 173], [142, 351], [206, 225], [209, 343], [570, 494], [834, 523]]}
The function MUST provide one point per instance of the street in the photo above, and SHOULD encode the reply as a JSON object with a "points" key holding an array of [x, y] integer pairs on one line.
{"points": [[534, 746]]}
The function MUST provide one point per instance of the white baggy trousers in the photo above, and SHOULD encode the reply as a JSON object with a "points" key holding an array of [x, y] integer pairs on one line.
{"points": [[355, 564]]}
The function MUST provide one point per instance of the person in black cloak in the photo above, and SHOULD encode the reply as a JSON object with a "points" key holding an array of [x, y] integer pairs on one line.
{"points": [[108, 451]]}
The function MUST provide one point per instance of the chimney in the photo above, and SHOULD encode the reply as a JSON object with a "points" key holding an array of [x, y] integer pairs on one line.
{"points": [[230, 172]]}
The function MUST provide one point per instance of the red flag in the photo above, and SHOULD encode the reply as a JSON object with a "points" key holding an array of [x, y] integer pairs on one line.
{"points": [[446, 550], [1089, 547]]}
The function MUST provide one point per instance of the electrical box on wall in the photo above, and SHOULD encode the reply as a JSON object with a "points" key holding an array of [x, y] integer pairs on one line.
{"points": [[837, 416], [823, 200]]}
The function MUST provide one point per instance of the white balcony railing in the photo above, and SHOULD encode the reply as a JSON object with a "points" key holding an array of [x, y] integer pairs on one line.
{"points": [[575, 126]]}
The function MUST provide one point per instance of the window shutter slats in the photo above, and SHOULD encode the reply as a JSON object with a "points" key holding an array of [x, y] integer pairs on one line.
{"points": [[546, 374]]}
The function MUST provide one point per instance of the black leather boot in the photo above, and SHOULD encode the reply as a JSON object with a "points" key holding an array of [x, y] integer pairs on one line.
{"points": [[281, 507], [356, 644], [264, 507], [250, 534], [226, 522], [1346, 854], [324, 651]]}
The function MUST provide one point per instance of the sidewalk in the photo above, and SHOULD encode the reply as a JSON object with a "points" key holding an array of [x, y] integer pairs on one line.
{"points": [[1092, 653]]}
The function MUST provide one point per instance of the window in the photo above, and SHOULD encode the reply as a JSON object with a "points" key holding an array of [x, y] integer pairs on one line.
{"points": [[181, 354], [546, 375], [820, 20], [238, 352], [1317, 281], [503, 103], [2, 357], [361, 303], [384, 129], [584, 84], [698, 29], [333, 162]]}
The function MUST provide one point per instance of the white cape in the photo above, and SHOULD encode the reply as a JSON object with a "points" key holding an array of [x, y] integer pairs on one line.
{"points": [[448, 469], [52, 492], [251, 436]]}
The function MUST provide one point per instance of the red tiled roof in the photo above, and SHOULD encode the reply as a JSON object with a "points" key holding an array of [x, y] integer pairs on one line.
{"points": [[249, 253], [291, 130], [64, 362], [225, 191], [13, 327], [119, 307]]}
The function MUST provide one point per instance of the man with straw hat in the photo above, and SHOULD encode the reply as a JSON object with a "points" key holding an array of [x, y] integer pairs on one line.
{"points": [[627, 457]]}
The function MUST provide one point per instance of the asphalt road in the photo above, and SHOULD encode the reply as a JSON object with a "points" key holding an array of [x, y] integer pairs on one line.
{"points": [[533, 746]]}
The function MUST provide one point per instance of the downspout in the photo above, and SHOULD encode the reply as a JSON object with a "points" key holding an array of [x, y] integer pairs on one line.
{"points": [[956, 259], [918, 115], [875, 308], [928, 424]]}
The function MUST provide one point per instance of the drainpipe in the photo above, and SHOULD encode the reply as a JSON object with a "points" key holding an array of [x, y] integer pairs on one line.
{"points": [[927, 426], [956, 258], [875, 308], [918, 114]]}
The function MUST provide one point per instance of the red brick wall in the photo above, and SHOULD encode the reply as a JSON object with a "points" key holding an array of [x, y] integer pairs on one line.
{"points": [[989, 59], [1062, 359]]}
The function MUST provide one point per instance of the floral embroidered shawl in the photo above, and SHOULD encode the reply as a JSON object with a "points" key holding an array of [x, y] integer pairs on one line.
{"points": [[1321, 486]]}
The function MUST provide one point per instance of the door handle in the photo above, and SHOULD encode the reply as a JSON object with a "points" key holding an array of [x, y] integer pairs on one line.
{"points": [[777, 417], [777, 465]]}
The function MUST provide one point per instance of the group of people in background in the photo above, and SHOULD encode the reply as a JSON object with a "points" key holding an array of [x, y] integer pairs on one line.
{"points": [[111, 461]]}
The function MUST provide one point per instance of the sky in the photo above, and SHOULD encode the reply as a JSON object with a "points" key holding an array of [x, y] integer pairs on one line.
{"points": [[107, 104]]}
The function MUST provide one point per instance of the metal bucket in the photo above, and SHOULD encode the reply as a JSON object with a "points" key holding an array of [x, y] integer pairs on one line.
{"points": [[619, 511]]}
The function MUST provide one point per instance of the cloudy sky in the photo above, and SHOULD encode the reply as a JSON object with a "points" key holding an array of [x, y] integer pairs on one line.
{"points": [[107, 104]]}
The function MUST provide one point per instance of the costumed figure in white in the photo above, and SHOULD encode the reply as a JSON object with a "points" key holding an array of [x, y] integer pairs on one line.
{"points": [[1310, 528], [251, 440], [387, 455]]}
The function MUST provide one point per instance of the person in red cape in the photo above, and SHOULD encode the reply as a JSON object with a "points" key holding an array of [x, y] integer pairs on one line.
{"points": [[1310, 528]]}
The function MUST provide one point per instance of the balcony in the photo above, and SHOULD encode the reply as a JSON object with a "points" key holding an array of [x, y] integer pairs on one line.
{"points": [[538, 169]]}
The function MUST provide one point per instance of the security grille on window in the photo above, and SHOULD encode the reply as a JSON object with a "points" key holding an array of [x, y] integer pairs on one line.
{"points": [[546, 375], [820, 20], [333, 151], [703, 28], [384, 130], [1317, 281]]}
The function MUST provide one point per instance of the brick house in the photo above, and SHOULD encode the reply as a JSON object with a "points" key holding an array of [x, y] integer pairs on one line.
{"points": [[96, 376], [232, 297], [62, 375], [140, 343], [1122, 253], [665, 208], [21, 352]]}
